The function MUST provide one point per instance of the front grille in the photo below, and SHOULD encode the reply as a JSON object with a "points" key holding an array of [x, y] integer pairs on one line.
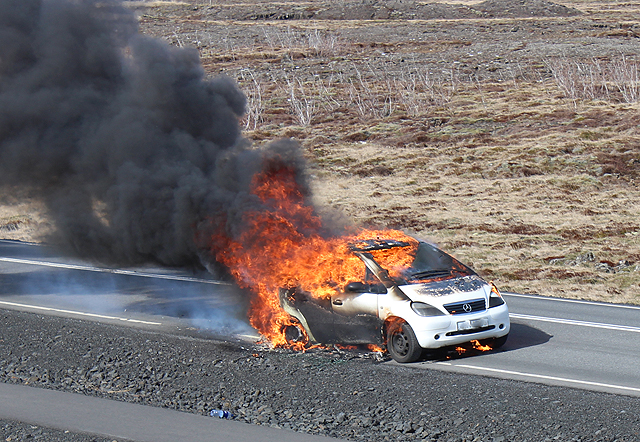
{"points": [[475, 305]]}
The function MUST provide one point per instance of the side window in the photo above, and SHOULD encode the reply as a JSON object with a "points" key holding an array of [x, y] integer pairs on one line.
{"points": [[369, 277], [370, 284], [373, 283]]}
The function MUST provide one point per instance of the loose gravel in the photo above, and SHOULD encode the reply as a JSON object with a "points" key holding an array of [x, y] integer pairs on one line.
{"points": [[18, 431], [346, 394]]}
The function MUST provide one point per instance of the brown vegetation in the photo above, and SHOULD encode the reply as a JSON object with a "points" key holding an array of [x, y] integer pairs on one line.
{"points": [[506, 136]]}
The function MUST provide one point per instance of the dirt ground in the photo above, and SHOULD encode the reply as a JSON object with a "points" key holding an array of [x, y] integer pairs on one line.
{"points": [[504, 131]]}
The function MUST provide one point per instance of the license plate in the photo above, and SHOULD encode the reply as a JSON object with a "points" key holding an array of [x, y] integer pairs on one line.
{"points": [[473, 323]]}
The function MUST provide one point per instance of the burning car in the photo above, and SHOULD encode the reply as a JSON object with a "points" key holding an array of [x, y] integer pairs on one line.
{"points": [[427, 300]]}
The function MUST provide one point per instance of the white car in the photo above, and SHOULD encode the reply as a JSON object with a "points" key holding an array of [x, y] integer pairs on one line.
{"points": [[435, 302]]}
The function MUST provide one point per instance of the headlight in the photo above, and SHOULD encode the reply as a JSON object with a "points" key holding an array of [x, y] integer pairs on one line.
{"points": [[423, 309], [495, 298]]}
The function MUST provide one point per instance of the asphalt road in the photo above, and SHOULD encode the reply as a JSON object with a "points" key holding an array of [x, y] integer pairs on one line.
{"points": [[579, 344], [34, 278], [594, 346]]}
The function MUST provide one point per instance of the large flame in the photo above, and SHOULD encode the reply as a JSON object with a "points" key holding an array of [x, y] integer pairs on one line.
{"points": [[284, 245]]}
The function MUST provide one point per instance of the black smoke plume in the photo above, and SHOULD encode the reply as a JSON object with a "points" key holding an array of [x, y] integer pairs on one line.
{"points": [[123, 136]]}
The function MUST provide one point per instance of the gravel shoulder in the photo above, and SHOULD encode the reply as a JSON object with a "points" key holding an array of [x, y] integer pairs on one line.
{"points": [[334, 393], [12, 431], [116, 420]]}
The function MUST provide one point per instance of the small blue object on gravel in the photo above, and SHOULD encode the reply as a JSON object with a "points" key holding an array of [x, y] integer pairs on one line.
{"points": [[221, 414]]}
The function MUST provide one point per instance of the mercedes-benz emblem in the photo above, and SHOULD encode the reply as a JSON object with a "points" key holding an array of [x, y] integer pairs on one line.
{"points": [[467, 308]]}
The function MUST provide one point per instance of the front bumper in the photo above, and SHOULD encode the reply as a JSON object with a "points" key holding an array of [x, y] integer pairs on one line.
{"points": [[444, 331]]}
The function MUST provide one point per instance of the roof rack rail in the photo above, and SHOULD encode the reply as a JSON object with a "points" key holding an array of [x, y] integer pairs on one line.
{"points": [[367, 245]]}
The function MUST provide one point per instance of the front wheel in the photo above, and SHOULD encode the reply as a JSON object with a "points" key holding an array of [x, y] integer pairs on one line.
{"points": [[402, 343]]}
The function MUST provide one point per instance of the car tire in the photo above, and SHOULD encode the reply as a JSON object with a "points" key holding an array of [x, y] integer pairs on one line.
{"points": [[293, 334], [495, 343], [402, 343]]}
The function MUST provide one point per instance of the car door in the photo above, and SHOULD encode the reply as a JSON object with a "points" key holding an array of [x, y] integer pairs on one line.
{"points": [[355, 308]]}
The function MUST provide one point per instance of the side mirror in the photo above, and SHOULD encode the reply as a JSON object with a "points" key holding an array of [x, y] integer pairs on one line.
{"points": [[356, 287]]}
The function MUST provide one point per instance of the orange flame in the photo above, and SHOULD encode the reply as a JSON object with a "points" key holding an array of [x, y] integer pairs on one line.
{"points": [[285, 245], [475, 345], [478, 346]]}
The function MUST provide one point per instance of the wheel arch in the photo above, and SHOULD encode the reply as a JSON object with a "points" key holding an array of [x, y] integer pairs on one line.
{"points": [[387, 323], [401, 342]]}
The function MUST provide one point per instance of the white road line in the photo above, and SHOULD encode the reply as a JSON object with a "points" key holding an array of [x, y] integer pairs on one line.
{"points": [[16, 242], [627, 328], [249, 336], [540, 376], [72, 312], [574, 301], [106, 270]]}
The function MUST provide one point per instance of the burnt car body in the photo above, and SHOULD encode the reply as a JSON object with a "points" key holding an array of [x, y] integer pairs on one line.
{"points": [[437, 302]]}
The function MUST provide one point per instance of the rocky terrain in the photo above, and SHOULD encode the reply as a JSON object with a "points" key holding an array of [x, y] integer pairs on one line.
{"points": [[17, 431], [350, 395], [379, 10]]}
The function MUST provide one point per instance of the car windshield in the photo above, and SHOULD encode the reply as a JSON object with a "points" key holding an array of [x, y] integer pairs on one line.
{"points": [[432, 263]]}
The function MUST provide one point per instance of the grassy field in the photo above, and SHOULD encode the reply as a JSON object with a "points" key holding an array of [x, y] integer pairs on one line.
{"points": [[508, 138]]}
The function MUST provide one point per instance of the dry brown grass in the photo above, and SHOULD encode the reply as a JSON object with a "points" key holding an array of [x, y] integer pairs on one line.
{"points": [[22, 216], [488, 157]]}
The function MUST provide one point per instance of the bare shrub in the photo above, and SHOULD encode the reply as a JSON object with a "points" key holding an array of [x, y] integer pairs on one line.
{"points": [[252, 88], [418, 91], [379, 94], [302, 100], [443, 88], [372, 98], [579, 80], [320, 43], [409, 95], [325, 43], [513, 73], [597, 80], [624, 75], [327, 91], [371, 94], [278, 39]]}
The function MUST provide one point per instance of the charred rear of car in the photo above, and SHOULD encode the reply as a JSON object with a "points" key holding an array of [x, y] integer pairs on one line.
{"points": [[324, 321], [432, 301]]}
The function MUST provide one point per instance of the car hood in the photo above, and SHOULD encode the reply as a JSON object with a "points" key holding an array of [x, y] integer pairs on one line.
{"points": [[455, 288]]}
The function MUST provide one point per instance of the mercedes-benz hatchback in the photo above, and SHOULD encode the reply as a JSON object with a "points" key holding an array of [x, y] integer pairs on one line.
{"points": [[434, 301]]}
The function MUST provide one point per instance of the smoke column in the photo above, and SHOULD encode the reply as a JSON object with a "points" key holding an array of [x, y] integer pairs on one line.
{"points": [[123, 136]]}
